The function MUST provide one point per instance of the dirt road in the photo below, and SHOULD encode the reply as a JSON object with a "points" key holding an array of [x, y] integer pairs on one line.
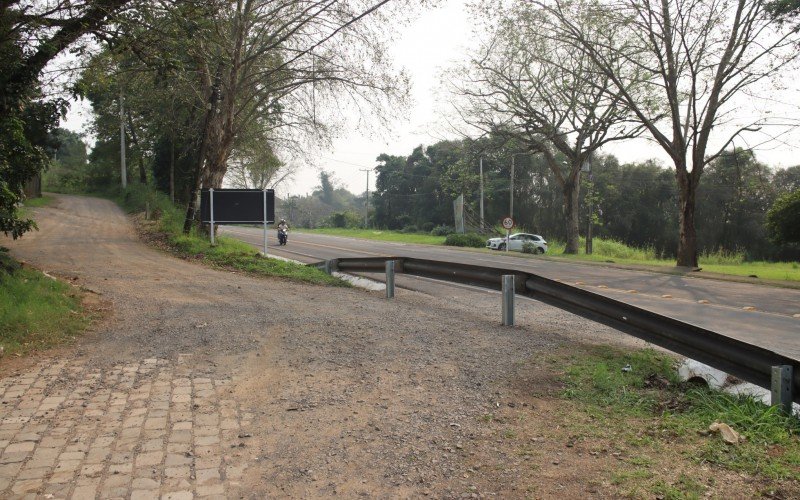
{"points": [[209, 383]]}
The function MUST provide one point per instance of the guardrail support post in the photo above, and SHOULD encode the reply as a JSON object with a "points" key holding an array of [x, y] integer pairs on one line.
{"points": [[508, 300], [782, 388], [389, 279], [328, 267]]}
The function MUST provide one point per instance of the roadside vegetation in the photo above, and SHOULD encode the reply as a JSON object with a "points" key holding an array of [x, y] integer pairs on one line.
{"points": [[377, 234], [36, 311], [163, 224], [605, 251], [633, 402]]}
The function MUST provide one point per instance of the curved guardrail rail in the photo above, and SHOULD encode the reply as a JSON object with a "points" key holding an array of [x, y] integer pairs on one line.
{"points": [[746, 361]]}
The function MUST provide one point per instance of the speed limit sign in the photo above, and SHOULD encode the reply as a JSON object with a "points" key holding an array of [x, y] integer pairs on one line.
{"points": [[508, 223]]}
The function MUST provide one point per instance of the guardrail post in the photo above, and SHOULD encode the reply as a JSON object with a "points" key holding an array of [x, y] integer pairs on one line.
{"points": [[782, 388], [389, 279], [328, 267], [508, 300]]}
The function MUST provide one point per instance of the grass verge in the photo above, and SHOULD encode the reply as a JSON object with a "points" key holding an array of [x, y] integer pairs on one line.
{"points": [[41, 201], [165, 229], [610, 251], [381, 235], [36, 311], [645, 410]]}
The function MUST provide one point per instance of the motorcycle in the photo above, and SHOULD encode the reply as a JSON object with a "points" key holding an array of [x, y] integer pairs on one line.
{"points": [[283, 236]]}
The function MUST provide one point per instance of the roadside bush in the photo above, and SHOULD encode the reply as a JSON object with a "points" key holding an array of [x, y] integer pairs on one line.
{"points": [[346, 219], [411, 228], [528, 247], [465, 240], [427, 227], [441, 230]]}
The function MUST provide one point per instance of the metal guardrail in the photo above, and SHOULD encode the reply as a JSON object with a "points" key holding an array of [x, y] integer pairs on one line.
{"points": [[746, 361]]}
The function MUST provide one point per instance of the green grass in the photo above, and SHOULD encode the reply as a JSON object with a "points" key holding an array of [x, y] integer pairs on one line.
{"points": [[38, 202], [382, 235], [228, 253], [676, 412], [234, 254], [37, 312], [606, 251], [611, 251]]}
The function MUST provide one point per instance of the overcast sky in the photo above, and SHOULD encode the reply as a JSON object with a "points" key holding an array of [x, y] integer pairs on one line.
{"points": [[434, 41]]}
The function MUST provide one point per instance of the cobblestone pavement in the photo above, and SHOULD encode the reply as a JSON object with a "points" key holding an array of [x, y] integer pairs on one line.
{"points": [[149, 429]]}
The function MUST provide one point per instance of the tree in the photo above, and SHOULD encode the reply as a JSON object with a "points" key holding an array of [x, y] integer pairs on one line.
{"points": [[255, 166], [31, 35], [733, 200], [549, 97], [783, 219], [268, 62], [695, 57]]}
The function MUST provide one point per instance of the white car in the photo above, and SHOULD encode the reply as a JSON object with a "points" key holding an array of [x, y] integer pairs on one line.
{"points": [[515, 242]]}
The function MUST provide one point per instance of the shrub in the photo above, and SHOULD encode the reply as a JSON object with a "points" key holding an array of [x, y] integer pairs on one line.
{"points": [[465, 240], [528, 247], [441, 230], [346, 219], [411, 228], [427, 227]]}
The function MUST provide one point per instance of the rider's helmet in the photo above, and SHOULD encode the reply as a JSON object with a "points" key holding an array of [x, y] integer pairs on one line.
{"points": [[283, 221]]}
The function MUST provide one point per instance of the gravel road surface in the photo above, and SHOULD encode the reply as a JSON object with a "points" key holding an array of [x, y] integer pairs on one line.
{"points": [[210, 383]]}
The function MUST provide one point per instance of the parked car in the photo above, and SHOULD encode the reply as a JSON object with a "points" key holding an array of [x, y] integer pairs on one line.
{"points": [[516, 241]]}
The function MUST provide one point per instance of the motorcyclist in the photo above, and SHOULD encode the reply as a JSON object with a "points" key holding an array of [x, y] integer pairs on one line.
{"points": [[283, 228]]}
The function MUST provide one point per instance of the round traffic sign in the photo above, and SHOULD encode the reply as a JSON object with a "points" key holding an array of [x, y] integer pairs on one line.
{"points": [[508, 223]]}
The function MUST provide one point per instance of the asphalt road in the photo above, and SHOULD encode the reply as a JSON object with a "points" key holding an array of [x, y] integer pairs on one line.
{"points": [[757, 314]]}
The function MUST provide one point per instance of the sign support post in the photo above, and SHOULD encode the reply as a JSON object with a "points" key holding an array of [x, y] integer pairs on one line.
{"points": [[211, 198], [508, 223], [265, 222]]}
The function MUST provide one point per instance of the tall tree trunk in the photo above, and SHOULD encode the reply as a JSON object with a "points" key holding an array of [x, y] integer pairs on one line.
{"points": [[172, 167], [142, 171], [197, 175], [687, 243], [571, 192]]}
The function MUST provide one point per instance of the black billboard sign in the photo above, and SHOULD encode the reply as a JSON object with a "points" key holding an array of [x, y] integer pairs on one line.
{"points": [[237, 206]]}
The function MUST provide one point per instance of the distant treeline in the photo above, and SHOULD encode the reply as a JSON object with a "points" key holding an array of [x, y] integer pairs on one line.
{"points": [[636, 203]]}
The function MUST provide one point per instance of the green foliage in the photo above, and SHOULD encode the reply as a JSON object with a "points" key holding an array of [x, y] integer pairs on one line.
{"points": [[346, 219], [36, 311], [69, 167], [529, 247], [783, 219], [442, 230], [465, 240], [370, 234], [651, 389]]}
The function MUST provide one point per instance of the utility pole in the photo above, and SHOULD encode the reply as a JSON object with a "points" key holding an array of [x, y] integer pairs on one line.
{"points": [[122, 168], [481, 168], [366, 203]]}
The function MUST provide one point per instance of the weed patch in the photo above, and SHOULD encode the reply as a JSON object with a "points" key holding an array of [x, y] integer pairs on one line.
{"points": [[637, 395], [36, 311]]}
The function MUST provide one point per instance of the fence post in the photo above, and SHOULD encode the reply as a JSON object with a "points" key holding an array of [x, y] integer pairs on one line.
{"points": [[389, 279], [508, 300], [782, 388]]}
